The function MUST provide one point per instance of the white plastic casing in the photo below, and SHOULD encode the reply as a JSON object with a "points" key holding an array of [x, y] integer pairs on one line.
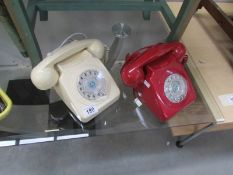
{"points": [[68, 90]]}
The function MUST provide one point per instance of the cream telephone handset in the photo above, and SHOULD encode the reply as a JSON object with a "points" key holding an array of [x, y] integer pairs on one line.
{"points": [[79, 77]]}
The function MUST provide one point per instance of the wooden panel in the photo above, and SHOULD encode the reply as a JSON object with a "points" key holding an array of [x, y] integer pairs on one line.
{"points": [[210, 51], [194, 114]]}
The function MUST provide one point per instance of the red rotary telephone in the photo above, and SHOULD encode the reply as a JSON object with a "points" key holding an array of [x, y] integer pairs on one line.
{"points": [[157, 75]]}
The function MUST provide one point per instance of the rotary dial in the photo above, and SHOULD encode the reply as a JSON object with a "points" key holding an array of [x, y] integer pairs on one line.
{"points": [[92, 84], [175, 88]]}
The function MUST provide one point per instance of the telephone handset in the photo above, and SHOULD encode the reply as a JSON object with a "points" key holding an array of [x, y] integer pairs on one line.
{"points": [[79, 77], [157, 75]]}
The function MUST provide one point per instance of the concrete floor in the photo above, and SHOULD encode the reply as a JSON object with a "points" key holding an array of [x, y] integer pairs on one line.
{"points": [[149, 152], [142, 153]]}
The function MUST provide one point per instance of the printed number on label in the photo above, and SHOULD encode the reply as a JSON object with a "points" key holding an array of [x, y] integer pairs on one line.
{"points": [[90, 110]]}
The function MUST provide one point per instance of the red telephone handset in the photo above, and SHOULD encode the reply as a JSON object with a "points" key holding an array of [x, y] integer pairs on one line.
{"points": [[157, 75]]}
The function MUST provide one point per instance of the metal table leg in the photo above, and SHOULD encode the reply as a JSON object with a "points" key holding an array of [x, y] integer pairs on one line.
{"points": [[146, 13], [19, 17], [10, 29], [181, 142], [167, 13], [220, 17], [185, 14]]}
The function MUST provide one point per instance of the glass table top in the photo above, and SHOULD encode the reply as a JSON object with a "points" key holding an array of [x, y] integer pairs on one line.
{"points": [[42, 114]]}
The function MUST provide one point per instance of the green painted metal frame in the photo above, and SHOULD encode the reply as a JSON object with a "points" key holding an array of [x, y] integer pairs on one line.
{"points": [[24, 19], [146, 13], [19, 17], [167, 13], [8, 25], [189, 7], [43, 6]]}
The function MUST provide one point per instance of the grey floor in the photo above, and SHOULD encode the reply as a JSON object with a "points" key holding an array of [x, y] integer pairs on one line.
{"points": [[142, 153], [149, 152]]}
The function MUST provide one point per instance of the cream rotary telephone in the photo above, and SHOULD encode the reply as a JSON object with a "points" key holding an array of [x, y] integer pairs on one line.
{"points": [[79, 77]]}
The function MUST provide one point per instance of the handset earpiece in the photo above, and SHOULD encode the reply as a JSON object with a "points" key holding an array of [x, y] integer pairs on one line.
{"points": [[132, 72], [97, 49], [44, 76]]}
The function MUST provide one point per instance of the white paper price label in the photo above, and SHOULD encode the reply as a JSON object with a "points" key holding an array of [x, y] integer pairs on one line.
{"points": [[227, 99], [90, 110]]}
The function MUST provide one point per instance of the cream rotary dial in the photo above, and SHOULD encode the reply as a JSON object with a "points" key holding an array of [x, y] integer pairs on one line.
{"points": [[92, 84]]}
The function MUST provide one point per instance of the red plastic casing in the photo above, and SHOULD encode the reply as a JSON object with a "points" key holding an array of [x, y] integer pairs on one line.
{"points": [[154, 64]]}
